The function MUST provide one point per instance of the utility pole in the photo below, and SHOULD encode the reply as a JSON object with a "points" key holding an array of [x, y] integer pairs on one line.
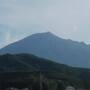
{"points": [[40, 80]]}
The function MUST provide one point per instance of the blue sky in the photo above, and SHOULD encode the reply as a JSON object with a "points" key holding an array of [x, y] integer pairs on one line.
{"points": [[68, 19]]}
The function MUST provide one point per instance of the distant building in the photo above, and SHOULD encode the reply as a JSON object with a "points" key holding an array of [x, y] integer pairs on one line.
{"points": [[70, 88]]}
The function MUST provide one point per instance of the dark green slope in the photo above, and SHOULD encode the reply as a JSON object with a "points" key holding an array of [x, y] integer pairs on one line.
{"points": [[12, 63], [31, 63], [25, 64]]}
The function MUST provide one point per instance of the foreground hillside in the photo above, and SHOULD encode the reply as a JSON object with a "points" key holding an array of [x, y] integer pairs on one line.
{"points": [[30, 64], [49, 46]]}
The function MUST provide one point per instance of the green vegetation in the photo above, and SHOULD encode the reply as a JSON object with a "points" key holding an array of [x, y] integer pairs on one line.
{"points": [[30, 70]]}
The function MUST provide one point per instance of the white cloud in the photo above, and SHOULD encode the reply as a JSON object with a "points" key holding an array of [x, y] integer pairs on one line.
{"points": [[8, 38]]}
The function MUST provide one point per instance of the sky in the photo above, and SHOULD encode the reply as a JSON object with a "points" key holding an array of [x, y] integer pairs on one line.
{"points": [[69, 19]]}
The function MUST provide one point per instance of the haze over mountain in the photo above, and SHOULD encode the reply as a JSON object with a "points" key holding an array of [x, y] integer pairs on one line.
{"points": [[49, 46]]}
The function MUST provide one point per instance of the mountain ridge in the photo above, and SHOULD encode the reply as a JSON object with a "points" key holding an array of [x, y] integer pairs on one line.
{"points": [[49, 46]]}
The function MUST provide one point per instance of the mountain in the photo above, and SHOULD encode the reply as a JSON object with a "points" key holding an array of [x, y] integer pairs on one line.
{"points": [[49, 46], [28, 63]]}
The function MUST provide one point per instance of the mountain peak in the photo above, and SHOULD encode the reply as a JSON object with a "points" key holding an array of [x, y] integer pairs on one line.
{"points": [[48, 32], [44, 34]]}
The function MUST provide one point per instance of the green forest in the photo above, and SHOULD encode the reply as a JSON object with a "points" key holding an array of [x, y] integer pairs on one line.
{"points": [[25, 70]]}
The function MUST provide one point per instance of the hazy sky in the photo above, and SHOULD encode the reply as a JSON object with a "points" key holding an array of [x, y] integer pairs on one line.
{"points": [[67, 18]]}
